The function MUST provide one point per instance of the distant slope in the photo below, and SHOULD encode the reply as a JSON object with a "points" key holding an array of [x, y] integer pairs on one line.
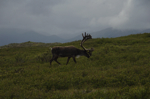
{"points": [[8, 35], [18, 36], [111, 33]]}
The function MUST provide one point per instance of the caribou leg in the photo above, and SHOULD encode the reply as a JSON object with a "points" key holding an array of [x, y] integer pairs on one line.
{"points": [[68, 60], [55, 59], [74, 59], [51, 60]]}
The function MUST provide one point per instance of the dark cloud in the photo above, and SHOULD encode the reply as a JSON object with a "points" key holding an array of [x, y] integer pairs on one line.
{"points": [[74, 16]]}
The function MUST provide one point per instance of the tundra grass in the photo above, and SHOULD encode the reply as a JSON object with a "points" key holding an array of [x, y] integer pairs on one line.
{"points": [[119, 68]]}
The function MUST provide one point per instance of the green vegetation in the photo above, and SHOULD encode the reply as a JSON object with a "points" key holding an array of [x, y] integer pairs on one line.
{"points": [[119, 68]]}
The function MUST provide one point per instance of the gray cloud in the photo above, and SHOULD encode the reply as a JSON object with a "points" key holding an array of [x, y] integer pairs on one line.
{"points": [[74, 16], [134, 15]]}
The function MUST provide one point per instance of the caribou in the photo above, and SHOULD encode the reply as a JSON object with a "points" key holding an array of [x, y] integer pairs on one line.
{"points": [[71, 51]]}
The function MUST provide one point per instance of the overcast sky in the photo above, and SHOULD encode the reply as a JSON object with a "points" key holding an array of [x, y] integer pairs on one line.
{"points": [[74, 16]]}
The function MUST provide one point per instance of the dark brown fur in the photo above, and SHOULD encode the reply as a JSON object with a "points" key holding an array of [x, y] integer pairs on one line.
{"points": [[67, 51]]}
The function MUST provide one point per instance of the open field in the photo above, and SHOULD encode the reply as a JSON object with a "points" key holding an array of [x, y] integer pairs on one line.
{"points": [[119, 68]]}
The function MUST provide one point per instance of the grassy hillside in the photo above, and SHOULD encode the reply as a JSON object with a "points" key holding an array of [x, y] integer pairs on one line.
{"points": [[119, 68]]}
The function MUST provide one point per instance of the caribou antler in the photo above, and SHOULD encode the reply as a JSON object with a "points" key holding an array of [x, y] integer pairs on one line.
{"points": [[85, 37]]}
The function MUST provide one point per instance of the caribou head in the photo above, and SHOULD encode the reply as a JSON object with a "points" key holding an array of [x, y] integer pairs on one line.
{"points": [[71, 51]]}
